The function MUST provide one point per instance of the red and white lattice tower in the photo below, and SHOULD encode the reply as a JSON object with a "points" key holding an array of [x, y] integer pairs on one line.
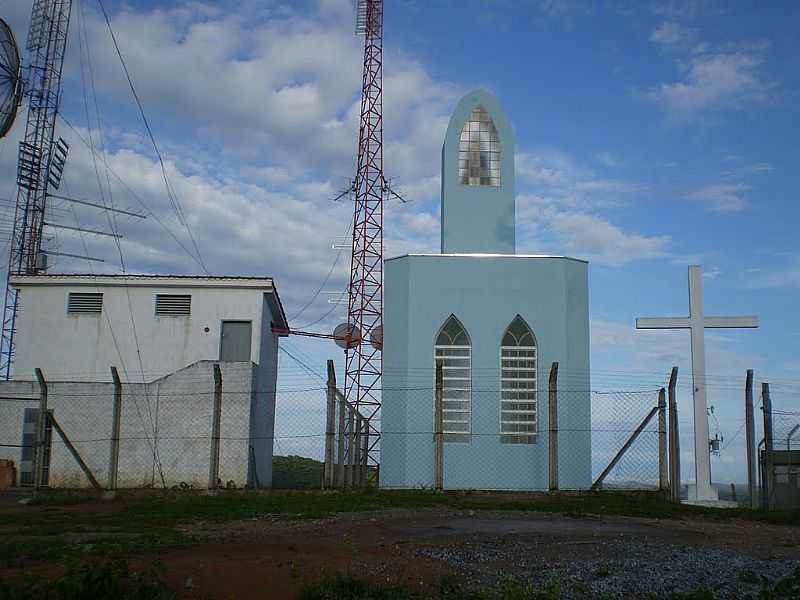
{"points": [[365, 305]]}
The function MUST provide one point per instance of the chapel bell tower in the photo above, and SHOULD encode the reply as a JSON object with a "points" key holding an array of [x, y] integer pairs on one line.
{"points": [[478, 203]]}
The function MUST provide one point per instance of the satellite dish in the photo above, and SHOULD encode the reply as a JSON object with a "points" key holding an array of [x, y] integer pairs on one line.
{"points": [[10, 78], [376, 338], [347, 336]]}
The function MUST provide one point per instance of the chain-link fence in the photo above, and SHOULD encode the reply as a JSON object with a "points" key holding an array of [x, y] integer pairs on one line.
{"points": [[616, 417], [780, 460], [488, 441], [201, 430], [176, 432]]}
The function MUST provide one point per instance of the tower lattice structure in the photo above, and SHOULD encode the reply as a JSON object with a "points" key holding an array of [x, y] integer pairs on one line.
{"points": [[41, 158], [365, 306]]}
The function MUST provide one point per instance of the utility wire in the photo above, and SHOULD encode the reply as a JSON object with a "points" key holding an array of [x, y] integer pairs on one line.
{"points": [[300, 362], [150, 212], [324, 282], [174, 200], [87, 65]]}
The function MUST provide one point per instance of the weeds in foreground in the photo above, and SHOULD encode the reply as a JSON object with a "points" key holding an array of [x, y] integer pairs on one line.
{"points": [[115, 581], [346, 587], [109, 581]]}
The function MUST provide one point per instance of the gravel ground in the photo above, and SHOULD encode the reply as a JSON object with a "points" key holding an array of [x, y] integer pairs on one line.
{"points": [[614, 568]]}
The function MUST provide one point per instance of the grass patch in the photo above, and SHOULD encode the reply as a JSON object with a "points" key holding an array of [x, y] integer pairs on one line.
{"points": [[140, 521], [296, 473], [345, 587], [109, 581], [57, 497]]}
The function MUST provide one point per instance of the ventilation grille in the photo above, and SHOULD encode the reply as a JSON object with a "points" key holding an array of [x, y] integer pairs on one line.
{"points": [[85, 303], [173, 304]]}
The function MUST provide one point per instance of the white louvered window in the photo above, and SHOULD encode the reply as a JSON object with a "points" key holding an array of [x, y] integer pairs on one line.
{"points": [[518, 407], [453, 347], [173, 305], [84, 303]]}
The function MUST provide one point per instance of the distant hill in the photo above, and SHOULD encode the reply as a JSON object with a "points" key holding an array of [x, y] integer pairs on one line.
{"points": [[296, 473]]}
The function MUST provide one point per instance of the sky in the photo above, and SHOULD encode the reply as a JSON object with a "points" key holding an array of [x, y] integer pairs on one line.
{"points": [[651, 135]]}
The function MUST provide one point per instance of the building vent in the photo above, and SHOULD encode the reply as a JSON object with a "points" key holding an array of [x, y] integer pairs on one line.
{"points": [[173, 304], [84, 303]]}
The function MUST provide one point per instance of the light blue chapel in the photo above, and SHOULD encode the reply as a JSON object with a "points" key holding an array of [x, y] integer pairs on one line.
{"points": [[497, 319]]}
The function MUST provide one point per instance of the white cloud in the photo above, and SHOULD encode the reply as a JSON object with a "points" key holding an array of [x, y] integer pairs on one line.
{"points": [[608, 160], [787, 276], [720, 78], [760, 168], [722, 197], [553, 173], [672, 36], [256, 113], [686, 9], [608, 185], [601, 241], [558, 211], [584, 235]]}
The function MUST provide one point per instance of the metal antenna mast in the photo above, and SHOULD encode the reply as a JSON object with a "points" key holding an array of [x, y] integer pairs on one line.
{"points": [[41, 157], [365, 306]]}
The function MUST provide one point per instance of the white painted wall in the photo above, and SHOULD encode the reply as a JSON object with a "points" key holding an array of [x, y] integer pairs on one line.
{"points": [[82, 347], [172, 415]]}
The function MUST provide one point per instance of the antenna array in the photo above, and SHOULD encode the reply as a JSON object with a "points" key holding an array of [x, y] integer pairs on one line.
{"points": [[41, 158]]}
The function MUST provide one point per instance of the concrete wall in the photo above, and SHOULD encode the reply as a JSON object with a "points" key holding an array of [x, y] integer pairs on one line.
{"points": [[485, 293], [262, 419], [168, 421], [81, 347], [478, 218]]}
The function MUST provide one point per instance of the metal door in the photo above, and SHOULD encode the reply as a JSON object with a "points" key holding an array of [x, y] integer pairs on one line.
{"points": [[235, 346]]}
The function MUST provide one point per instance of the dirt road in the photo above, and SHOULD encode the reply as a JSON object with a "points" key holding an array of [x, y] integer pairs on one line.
{"points": [[614, 555]]}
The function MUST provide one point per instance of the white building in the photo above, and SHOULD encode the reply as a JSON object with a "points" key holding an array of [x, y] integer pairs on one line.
{"points": [[163, 334]]}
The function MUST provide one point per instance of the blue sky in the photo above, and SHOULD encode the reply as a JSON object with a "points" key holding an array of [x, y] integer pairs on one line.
{"points": [[650, 136]]}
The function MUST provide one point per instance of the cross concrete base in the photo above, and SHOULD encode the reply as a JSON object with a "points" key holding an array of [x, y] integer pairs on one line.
{"points": [[714, 502], [692, 494]]}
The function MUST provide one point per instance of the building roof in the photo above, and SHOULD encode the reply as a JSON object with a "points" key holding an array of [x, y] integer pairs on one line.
{"points": [[98, 276], [266, 284], [479, 255]]}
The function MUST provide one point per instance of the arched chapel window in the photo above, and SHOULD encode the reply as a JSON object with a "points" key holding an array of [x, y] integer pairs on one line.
{"points": [[518, 406], [479, 150], [454, 348]]}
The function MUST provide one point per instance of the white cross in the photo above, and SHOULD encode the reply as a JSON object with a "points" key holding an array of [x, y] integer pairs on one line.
{"points": [[697, 323]]}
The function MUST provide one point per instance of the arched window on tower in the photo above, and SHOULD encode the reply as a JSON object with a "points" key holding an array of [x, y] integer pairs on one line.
{"points": [[454, 348], [518, 406], [479, 150]]}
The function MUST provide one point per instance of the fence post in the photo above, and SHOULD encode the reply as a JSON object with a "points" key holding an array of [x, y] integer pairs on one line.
{"points": [[351, 442], [750, 435], [116, 421], [553, 424], [330, 424], [674, 439], [663, 463], [365, 456], [766, 480], [41, 432], [438, 427], [340, 467], [357, 449], [213, 469]]}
